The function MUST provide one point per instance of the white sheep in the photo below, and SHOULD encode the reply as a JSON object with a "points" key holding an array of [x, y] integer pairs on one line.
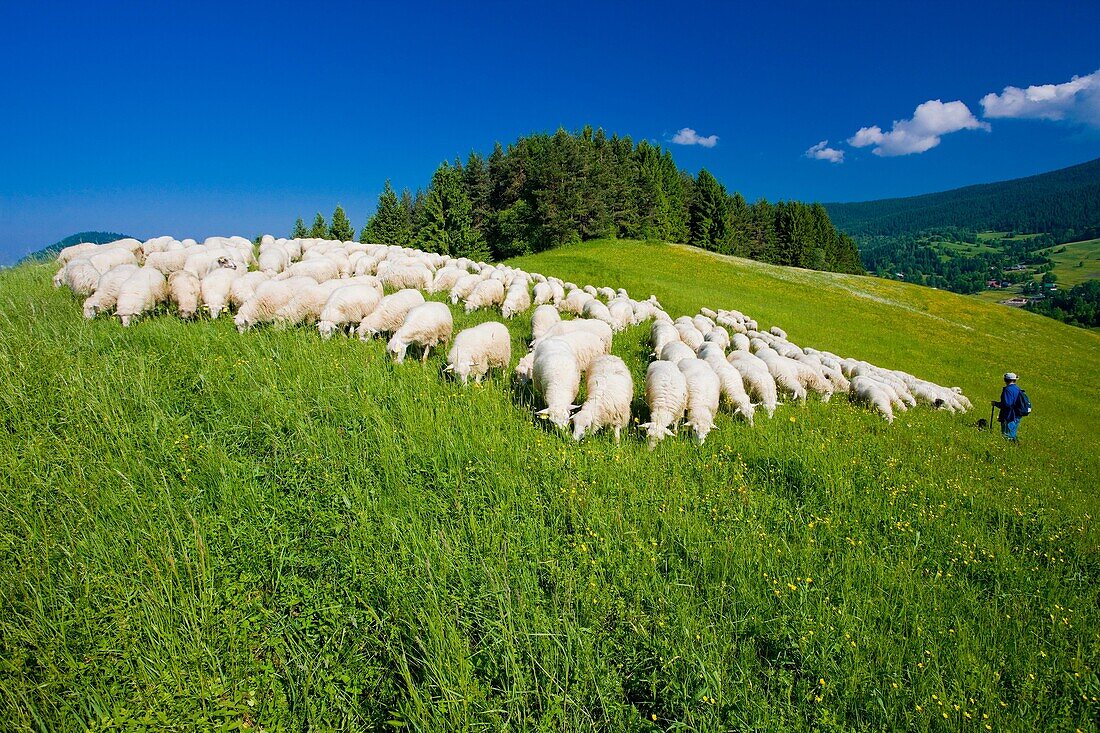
{"points": [[587, 347], [215, 289], [777, 331], [185, 292], [274, 259], [609, 392], [731, 384], [306, 305], [544, 293], [718, 335], [740, 342], [244, 287], [517, 299], [704, 391], [486, 294], [444, 279], [676, 351], [703, 324], [477, 350], [689, 334], [597, 309], [70, 253], [556, 376], [426, 325], [390, 313], [406, 276], [786, 377], [543, 319], [346, 305], [870, 392], [269, 298], [759, 382], [661, 334], [169, 261], [319, 270], [141, 292], [574, 302], [666, 393], [622, 314], [80, 275], [106, 291], [599, 328]]}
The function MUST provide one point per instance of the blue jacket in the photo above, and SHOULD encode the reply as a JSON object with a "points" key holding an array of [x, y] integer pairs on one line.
{"points": [[1010, 395]]}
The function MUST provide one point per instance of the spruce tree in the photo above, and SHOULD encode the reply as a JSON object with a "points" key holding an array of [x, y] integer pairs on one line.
{"points": [[445, 223], [320, 228], [341, 229], [390, 223], [300, 231]]}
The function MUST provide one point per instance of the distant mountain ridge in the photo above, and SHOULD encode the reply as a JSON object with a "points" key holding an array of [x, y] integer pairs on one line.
{"points": [[52, 250], [1064, 203]]}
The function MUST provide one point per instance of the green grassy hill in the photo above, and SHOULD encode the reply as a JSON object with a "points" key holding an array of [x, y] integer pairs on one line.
{"points": [[50, 252], [205, 529], [1076, 262]]}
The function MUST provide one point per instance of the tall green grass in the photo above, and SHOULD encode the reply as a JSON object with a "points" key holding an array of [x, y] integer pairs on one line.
{"points": [[200, 529]]}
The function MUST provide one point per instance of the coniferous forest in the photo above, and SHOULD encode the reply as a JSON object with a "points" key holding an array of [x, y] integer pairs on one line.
{"points": [[543, 191]]}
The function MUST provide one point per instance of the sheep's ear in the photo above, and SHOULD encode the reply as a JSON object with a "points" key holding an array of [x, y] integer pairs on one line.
{"points": [[645, 425], [543, 412], [448, 368]]}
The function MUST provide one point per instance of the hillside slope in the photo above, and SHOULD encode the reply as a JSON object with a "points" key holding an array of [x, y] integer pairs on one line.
{"points": [[1064, 203], [271, 530], [50, 251]]}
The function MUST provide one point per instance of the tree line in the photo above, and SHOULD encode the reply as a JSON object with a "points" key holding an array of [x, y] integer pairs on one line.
{"points": [[543, 191]]}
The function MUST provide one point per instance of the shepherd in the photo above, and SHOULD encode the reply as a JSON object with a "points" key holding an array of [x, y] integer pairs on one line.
{"points": [[1013, 405]]}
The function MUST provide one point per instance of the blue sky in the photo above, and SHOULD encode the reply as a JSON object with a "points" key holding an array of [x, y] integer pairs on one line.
{"points": [[194, 119]]}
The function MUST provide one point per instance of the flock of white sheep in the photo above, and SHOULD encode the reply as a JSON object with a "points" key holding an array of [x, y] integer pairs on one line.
{"points": [[700, 363]]}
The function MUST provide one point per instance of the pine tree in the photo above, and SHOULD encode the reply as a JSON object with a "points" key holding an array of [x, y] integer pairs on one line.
{"points": [[300, 231], [320, 228], [341, 229], [711, 226], [390, 223], [475, 178], [445, 223]]}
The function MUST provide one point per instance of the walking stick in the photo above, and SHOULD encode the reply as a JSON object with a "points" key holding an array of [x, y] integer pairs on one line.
{"points": [[991, 409]]}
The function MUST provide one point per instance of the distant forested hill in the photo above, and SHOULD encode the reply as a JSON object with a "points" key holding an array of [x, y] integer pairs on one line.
{"points": [[52, 250], [1063, 203], [543, 191]]}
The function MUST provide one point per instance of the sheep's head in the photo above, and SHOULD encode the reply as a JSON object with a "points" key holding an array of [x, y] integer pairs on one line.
{"points": [[700, 432], [559, 416], [227, 263], [241, 322], [397, 349], [326, 329], [126, 320], [59, 278], [655, 433], [582, 422], [90, 310]]}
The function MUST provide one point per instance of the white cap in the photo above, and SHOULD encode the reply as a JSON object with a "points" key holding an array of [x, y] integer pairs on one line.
{"points": [[1010, 376]]}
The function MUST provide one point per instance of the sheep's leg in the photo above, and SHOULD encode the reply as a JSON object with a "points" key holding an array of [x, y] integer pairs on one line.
{"points": [[617, 429], [424, 356]]}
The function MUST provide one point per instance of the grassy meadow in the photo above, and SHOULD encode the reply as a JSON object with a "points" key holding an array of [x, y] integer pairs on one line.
{"points": [[206, 530], [1079, 262]]}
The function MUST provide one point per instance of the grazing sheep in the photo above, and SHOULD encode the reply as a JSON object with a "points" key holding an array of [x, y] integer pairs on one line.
{"points": [[597, 309], [666, 393], [169, 261], [718, 335], [269, 298], [661, 334], [544, 293], [184, 291], [215, 289], [777, 331], [524, 367], [740, 342], [703, 324], [786, 377], [689, 334], [463, 287], [587, 347], [759, 382], [608, 294], [106, 291], [140, 293], [347, 305], [708, 312], [426, 325], [622, 314], [201, 261], [704, 391], [80, 275], [319, 270], [477, 350], [574, 302], [405, 277], [556, 376], [73, 251], [274, 259], [389, 314], [543, 319], [731, 385], [610, 390], [444, 279], [517, 299], [486, 294], [598, 328], [676, 351], [306, 305], [867, 391], [244, 287]]}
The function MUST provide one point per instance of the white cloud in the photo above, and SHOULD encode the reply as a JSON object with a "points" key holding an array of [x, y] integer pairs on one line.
{"points": [[922, 132], [822, 151], [688, 136], [1077, 100]]}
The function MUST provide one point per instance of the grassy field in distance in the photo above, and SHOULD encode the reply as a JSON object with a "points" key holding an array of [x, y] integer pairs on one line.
{"points": [[203, 529]]}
